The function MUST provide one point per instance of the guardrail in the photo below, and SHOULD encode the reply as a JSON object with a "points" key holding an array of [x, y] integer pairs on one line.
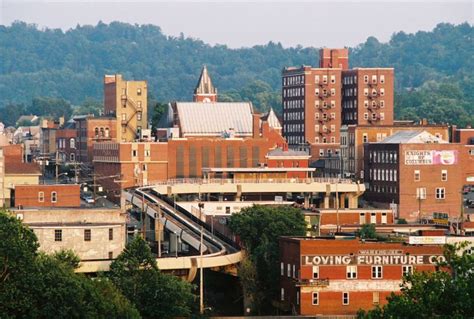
{"points": [[201, 181]]}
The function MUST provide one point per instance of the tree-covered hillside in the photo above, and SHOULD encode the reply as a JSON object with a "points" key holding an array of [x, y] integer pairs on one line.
{"points": [[70, 65]]}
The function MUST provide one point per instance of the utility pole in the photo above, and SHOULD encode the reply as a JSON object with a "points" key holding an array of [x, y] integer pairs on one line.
{"points": [[57, 166], [337, 208], [201, 273], [143, 216], [159, 231]]}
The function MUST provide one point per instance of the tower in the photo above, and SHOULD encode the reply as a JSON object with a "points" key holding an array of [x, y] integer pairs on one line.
{"points": [[205, 91]]}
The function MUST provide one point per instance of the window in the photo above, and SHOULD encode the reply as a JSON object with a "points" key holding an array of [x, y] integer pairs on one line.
{"points": [[365, 138], [376, 272], [72, 143], [315, 272], [58, 235], [282, 294], [134, 153], [345, 298], [139, 91], [325, 79], [139, 104], [297, 297], [111, 255], [111, 234], [382, 104], [421, 193], [366, 103], [382, 116], [288, 270], [316, 79], [351, 272], [384, 218], [382, 79], [139, 116], [373, 218], [316, 92], [366, 92], [417, 175], [282, 268], [294, 271], [333, 79], [444, 175], [366, 79], [407, 270], [72, 157], [41, 197], [315, 298], [382, 92], [54, 197], [87, 235], [440, 193], [366, 116], [333, 92], [375, 297], [144, 167]]}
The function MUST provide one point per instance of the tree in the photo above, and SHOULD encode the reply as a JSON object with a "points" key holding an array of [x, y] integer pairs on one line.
{"points": [[446, 293], [154, 294], [159, 109], [36, 285], [368, 231], [259, 228]]}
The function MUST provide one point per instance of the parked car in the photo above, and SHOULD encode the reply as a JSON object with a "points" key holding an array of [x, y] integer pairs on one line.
{"points": [[89, 199]]}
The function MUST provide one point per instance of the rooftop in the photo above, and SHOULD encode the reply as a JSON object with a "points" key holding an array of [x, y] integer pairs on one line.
{"points": [[287, 153], [22, 168], [412, 137]]}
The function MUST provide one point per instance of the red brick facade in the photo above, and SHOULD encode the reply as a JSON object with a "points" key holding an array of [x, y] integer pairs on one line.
{"points": [[340, 276], [58, 195]]}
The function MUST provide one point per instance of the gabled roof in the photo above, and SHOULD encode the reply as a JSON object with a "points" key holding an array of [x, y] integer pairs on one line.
{"points": [[204, 85], [272, 119], [215, 118], [413, 137]]}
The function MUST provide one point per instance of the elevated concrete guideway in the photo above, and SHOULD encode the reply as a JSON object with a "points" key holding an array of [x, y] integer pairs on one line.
{"points": [[329, 187]]}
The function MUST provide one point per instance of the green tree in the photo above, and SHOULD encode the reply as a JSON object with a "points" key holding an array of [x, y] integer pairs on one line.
{"points": [[259, 228], [35, 285], [446, 293], [89, 106], [159, 109], [154, 294], [368, 231]]}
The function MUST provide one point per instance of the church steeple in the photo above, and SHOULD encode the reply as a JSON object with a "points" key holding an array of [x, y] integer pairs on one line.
{"points": [[205, 91]]}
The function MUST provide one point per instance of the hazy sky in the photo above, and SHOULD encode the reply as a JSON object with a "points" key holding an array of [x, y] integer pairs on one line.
{"points": [[245, 23]]}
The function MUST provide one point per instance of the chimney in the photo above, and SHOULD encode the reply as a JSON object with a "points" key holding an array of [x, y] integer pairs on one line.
{"points": [[424, 121], [255, 125]]}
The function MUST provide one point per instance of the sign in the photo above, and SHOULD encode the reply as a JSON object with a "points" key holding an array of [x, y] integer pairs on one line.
{"points": [[427, 240], [399, 259], [421, 157], [278, 198]]}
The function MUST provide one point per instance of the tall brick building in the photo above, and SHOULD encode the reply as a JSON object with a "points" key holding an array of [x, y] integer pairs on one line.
{"points": [[317, 101], [127, 102], [418, 172]]}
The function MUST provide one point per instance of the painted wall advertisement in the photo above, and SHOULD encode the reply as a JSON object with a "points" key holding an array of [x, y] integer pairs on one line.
{"points": [[414, 157]]}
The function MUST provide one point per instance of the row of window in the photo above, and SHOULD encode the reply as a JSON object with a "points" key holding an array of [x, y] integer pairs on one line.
{"points": [[324, 79], [440, 193], [388, 175], [324, 104], [291, 128], [388, 157], [325, 140], [417, 175], [293, 92], [373, 92], [54, 197], [375, 116], [139, 116], [324, 92], [317, 128], [58, 234], [62, 143], [290, 116], [295, 139], [293, 104], [146, 153], [328, 151], [101, 132], [382, 188], [293, 80], [139, 91], [324, 116], [373, 79]]}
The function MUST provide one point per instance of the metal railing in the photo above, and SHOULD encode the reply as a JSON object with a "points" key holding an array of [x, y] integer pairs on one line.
{"points": [[202, 181]]}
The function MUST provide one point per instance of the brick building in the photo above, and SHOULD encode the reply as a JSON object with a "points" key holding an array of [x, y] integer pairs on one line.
{"points": [[282, 157], [46, 195], [67, 143], [353, 138], [418, 172], [327, 276], [317, 101], [92, 130], [127, 102], [198, 135]]}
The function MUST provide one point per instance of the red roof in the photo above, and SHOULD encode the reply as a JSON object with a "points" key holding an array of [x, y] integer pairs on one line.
{"points": [[22, 168]]}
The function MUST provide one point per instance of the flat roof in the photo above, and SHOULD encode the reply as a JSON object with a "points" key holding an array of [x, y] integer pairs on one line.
{"points": [[257, 169]]}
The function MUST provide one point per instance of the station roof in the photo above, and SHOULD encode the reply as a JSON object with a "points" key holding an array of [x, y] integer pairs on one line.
{"points": [[257, 169]]}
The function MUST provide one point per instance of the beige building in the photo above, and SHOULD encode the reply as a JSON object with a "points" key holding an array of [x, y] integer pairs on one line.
{"points": [[127, 101], [93, 234]]}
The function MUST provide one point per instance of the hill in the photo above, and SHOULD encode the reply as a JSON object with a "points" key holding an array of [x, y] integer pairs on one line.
{"points": [[432, 68]]}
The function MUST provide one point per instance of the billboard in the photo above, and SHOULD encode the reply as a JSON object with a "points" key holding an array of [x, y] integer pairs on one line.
{"points": [[422, 157]]}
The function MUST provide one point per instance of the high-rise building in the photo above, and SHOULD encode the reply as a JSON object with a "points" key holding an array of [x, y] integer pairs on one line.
{"points": [[312, 108], [205, 91], [127, 101], [367, 96], [317, 101]]}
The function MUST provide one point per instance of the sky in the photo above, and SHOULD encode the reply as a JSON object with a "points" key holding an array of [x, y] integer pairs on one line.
{"points": [[243, 23]]}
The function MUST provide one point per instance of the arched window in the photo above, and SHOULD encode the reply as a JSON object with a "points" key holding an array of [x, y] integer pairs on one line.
{"points": [[72, 143], [72, 157], [102, 132], [96, 130], [107, 133]]}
